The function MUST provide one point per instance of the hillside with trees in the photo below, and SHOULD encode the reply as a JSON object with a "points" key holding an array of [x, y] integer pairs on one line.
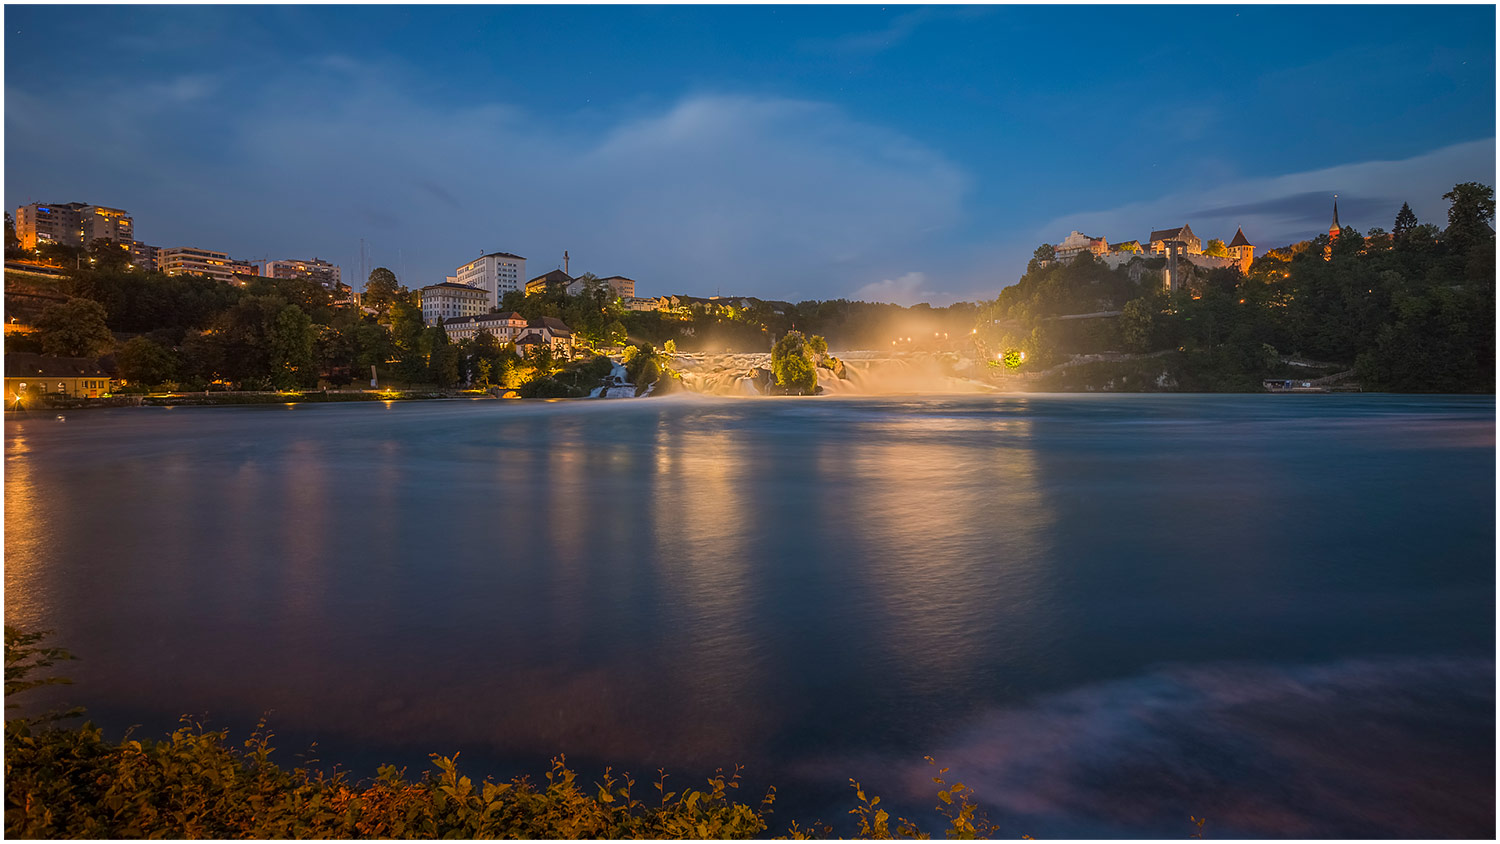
{"points": [[1409, 310]]}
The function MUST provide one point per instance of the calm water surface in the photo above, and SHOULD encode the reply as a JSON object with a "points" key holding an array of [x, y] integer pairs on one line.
{"points": [[1104, 613]]}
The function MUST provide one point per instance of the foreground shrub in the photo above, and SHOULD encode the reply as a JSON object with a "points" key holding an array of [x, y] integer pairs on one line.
{"points": [[71, 783]]}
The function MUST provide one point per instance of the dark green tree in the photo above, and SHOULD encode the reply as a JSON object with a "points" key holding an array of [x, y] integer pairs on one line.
{"points": [[292, 358], [75, 328], [1469, 215], [145, 362], [1406, 220], [1136, 324], [382, 289], [105, 255]]}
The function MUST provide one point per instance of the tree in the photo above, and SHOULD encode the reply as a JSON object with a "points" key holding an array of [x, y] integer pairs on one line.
{"points": [[1406, 220], [291, 348], [75, 328], [1216, 248], [382, 289], [334, 351], [107, 255], [1041, 255], [1469, 216], [145, 362], [1136, 320], [793, 366]]}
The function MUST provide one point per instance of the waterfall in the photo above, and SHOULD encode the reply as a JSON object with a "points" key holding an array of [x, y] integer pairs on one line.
{"points": [[616, 385], [866, 373]]}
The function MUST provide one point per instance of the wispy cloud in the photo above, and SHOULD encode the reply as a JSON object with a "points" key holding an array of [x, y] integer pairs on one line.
{"points": [[1282, 209], [900, 28], [908, 289], [770, 196], [183, 89]]}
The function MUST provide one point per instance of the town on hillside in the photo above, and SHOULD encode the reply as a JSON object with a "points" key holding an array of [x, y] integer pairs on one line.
{"points": [[128, 315]]}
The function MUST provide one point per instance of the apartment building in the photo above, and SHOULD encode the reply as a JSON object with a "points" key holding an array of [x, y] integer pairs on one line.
{"points": [[186, 260], [317, 270], [448, 301], [72, 224], [143, 256], [498, 273], [624, 288]]}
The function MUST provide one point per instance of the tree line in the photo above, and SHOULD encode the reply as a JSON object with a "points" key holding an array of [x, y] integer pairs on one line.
{"points": [[1411, 309]]}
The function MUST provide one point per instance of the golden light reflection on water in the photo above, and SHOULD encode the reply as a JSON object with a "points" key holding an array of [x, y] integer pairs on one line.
{"points": [[25, 530], [703, 523], [949, 504]]}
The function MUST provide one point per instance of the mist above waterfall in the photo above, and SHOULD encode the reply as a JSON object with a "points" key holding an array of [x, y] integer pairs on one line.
{"points": [[867, 373]]}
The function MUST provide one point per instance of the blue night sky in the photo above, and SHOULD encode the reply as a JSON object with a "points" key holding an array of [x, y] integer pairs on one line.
{"points": [[894, 153]]}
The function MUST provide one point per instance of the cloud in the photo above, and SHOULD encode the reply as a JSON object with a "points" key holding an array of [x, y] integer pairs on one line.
{"points": [[1283, 209], [182, 89], [900, 28], [908, 289], [759, 195]]}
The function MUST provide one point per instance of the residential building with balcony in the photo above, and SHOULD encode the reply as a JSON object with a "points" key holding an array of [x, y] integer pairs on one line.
{"points": [[187, 260], [317, 270]]}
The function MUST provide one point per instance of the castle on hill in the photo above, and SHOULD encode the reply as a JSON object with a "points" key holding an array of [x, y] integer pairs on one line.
{"points": [[1180, 241]]}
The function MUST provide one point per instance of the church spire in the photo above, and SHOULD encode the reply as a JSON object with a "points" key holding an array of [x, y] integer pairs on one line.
{"points": [[1333, 230]]}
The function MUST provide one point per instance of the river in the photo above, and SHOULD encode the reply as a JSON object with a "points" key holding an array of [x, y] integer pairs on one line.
{"points": [[1103, 613]]}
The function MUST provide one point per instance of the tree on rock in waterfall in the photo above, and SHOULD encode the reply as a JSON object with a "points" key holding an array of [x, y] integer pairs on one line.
{"points": [[793, 365]]}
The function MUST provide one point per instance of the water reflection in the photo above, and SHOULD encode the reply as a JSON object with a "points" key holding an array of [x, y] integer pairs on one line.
{"points": [[700, 582]]}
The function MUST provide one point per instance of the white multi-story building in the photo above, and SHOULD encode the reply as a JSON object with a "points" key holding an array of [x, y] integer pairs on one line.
{"points": [[72, 224], [317, 270], [498, 272], [186, 260], [449, 301]]}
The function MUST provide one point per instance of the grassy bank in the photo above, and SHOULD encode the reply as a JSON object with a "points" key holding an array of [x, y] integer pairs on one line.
{"points": [[71, 782]]}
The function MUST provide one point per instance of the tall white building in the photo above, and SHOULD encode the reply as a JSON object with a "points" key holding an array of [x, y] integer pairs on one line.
{"points": [[498, 273]]}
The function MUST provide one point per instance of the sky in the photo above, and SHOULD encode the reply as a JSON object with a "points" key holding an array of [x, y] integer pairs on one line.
{"points": [[887, 153]]}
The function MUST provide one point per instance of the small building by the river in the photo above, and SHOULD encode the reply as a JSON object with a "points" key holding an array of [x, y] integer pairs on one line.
{"points": [[27, 372]]}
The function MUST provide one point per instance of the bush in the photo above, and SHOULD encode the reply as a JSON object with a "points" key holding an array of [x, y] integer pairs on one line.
{"points": [[196, 783]]}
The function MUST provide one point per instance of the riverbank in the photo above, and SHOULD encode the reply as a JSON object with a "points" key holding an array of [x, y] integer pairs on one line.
{"points": [[238, 398]]}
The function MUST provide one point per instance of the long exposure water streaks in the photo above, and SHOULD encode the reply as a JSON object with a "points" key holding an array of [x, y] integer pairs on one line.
{"points": [[1106, 612]]}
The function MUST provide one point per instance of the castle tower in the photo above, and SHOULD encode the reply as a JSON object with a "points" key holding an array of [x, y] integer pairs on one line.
{"points": [[1241, 250]]}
